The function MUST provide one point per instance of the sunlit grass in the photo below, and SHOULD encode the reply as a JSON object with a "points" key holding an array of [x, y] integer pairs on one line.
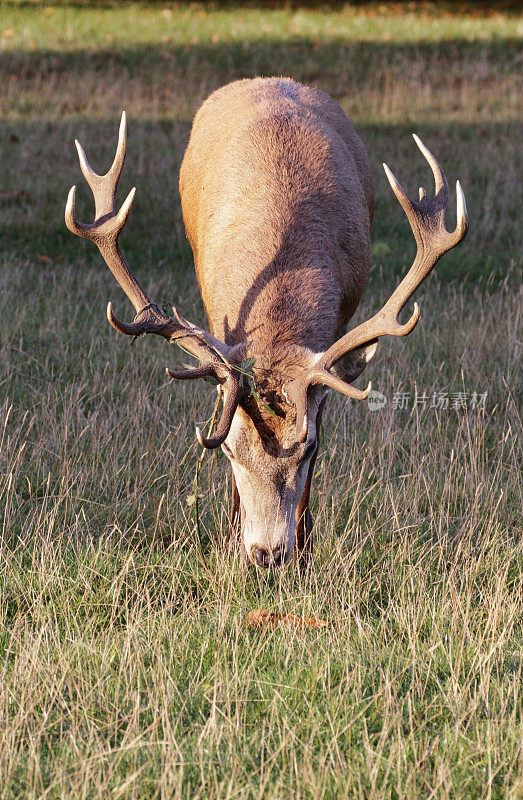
{"points": [[126, 664], [68, 26]]}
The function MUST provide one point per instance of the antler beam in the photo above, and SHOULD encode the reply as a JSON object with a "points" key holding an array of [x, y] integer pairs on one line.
{"points": [[214, 355], [427, 220]]}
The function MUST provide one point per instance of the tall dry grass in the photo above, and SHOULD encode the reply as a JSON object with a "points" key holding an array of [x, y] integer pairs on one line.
{"points": [[127, 669]]}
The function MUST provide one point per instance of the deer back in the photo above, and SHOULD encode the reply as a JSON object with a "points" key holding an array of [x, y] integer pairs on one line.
{"points": [[277, 201]]}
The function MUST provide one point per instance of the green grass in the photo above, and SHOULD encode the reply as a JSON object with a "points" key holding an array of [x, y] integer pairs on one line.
{"points": [[126, 668]]}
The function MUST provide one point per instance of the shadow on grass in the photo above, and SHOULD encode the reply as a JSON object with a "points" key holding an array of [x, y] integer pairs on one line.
{"points": [[39, 164], [56, 96], [301, 57]]}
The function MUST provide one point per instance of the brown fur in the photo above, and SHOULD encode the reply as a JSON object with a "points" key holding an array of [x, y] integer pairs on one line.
{"points": [[277, 201]]}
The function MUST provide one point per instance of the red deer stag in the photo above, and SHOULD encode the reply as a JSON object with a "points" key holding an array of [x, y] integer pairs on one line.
{"points": [[277, 201]]}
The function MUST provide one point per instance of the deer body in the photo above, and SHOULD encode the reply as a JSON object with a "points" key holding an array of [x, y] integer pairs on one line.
{"points": [[277, 201]]}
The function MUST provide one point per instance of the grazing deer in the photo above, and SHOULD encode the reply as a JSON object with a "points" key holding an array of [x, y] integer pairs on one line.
{"points": [[277, 201]]}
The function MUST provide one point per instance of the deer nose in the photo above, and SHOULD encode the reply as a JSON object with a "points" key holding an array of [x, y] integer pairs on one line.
{"points": [[269, 558]]}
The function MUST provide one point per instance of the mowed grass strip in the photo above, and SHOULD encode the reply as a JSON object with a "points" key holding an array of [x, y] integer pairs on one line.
{"points": [[126, 668]]}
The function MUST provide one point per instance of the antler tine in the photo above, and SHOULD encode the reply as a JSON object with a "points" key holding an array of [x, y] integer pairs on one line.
{"points": [[462, 223], [104, 187], [439, 176], [109, 227], [296, 393], [399, 191], [205, 371], [70, 216], [427, 221], [232, 394], [147, 320]]}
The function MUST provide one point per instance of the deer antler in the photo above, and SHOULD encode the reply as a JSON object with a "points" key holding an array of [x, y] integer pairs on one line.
{"points": [[427, 220], [214, 355]]}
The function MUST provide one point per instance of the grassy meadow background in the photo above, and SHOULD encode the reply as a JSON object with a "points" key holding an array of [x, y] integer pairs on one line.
{"points": [[125, 667]]}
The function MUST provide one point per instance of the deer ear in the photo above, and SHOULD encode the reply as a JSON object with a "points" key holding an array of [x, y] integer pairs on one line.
{"points": [[355, 361]]}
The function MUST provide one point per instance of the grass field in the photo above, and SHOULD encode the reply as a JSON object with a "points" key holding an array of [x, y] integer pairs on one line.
{"points": [[126, 669]]}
